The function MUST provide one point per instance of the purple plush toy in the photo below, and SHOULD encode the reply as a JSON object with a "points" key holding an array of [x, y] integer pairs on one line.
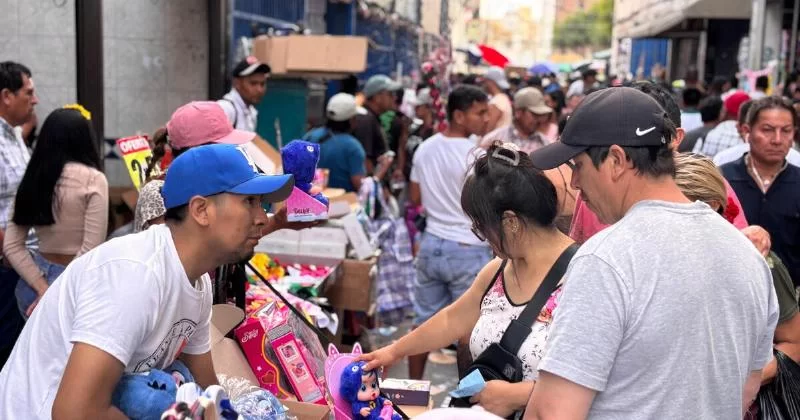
{"points": [[300, 158], [360, 388]]}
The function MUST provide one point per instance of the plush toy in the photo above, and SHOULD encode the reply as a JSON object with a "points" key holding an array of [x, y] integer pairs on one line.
{"points": [[300, 158], [360, 389], [147, 396]]}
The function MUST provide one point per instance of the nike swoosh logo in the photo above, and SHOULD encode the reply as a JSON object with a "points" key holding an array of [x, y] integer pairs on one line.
{"points": [[640, 132]]}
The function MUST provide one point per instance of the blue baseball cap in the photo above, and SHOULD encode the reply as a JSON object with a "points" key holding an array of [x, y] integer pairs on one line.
{"points": [[220, 168]]}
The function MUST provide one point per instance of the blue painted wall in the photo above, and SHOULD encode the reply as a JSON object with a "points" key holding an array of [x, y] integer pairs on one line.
{"points": [[654, 50]]}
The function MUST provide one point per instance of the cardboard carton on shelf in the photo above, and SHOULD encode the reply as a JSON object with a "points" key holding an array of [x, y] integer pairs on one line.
{"points": [[312, 55], [230, 361], [355, 287]]}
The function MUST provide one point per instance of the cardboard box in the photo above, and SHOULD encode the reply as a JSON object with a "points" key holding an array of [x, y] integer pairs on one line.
{"points": [[325, 54], [306, 411], [229, 360], [227, 356], [355, 287], [407, 391], [358, 236]]}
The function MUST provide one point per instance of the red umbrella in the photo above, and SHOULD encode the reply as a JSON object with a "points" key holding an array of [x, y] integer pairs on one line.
{"points": [[492, 56]]}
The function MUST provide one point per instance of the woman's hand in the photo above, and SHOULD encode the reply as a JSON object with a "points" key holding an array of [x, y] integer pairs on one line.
{"points": [[496, 398], [364, 412], [384, 357], [32, 306], [759, 237]]}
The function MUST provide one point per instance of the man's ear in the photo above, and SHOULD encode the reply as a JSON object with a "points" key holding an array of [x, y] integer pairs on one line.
{"points": [[618, 160], [680, 134], [200, 209]]}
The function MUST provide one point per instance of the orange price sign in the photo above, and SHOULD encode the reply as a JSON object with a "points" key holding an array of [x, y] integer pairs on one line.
{"points": [[137, 156]]}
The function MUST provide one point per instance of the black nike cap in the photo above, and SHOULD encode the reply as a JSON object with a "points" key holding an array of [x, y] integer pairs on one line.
{"points": [[618, 115]]}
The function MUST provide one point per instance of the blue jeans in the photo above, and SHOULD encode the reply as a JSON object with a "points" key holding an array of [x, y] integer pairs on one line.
{"points": [[445, 270], [25, 293]]}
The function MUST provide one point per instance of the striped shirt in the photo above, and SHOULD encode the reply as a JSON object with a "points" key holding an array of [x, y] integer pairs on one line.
{"points": [[14, 157]]}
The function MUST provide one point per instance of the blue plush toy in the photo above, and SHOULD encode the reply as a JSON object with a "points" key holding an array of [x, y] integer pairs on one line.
{"points": [[300, 158], [147, 396], [360, 388]]}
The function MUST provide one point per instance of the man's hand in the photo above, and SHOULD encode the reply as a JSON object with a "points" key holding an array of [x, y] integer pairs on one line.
{"points": [[280, 221], [759, 237]]}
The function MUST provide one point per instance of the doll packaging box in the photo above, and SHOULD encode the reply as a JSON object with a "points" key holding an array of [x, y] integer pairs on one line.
{"points": [[300, 158], [284, 354]]}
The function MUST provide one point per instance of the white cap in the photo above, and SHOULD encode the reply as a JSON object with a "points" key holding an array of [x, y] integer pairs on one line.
{"points": [[342, 107], [423, 97], [498, 75]]}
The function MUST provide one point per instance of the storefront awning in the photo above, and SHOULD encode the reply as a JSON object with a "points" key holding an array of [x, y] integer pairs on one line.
{"points": [[648, 18]]}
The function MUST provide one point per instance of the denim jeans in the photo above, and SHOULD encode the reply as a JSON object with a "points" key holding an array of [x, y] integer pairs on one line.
{"points": [[445, 270], [25, 293]]}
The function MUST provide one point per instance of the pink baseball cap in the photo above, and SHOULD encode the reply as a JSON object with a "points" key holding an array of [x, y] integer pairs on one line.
{"points": [[203, 122]]}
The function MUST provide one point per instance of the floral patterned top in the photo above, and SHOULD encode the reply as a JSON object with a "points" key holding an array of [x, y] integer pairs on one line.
{"points": [[497, 312]]}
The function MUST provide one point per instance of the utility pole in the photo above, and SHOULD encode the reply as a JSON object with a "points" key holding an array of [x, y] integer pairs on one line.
{"points": [[757, 22]]}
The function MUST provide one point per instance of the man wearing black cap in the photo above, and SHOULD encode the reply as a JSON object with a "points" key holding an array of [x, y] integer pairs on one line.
{"points": [[249, 86], [634, 334]]}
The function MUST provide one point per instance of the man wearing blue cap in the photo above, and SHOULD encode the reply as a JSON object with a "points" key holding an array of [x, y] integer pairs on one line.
{"points": [[139, 302]]}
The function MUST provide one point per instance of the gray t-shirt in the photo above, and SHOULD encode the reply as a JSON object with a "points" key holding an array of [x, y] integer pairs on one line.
{"points": [[664, 314]]}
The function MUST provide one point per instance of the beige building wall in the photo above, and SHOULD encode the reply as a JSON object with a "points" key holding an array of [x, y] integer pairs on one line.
{"points": [[155, 59], [41, 35], [431, 14]]}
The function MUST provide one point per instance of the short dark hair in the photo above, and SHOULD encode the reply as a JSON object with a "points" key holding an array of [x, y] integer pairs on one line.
{"points": [[692, 97], [462, 98], [589, 73], [762, 82], [710, 108], [496, 185], [769, 102], [11, 75], [743, 110], [653, 161], [177, 214], [663, 97], [338, 126]]}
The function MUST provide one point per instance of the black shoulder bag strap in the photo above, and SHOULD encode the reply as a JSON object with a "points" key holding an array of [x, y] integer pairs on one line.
{"points": [[519, 329], [235, 111]]}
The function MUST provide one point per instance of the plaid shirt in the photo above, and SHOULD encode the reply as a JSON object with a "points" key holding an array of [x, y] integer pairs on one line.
{"points": [[510, 134], [723, 136], [14, 158]]}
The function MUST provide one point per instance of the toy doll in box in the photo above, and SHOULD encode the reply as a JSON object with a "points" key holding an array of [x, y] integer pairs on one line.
{"points": [[300, 158], [354, 391]]}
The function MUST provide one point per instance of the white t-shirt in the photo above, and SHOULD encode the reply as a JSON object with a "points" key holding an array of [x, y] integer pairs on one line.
{"points": [[129, 297], [440, 168], [502, 103], [690, 121], [242, 116]]}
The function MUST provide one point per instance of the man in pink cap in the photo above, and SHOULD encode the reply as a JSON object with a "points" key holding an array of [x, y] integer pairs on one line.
{"points": [[204, 122], [726, 134]]}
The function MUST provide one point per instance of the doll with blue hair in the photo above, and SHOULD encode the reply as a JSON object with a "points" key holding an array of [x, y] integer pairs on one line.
{"points": [[360, 388]]}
